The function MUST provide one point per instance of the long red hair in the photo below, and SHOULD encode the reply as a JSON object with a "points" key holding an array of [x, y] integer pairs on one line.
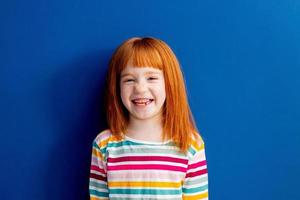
{"points": [[178, 122]]}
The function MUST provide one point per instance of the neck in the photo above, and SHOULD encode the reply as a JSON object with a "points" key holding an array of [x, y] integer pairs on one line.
{"points": [[146, 129]]}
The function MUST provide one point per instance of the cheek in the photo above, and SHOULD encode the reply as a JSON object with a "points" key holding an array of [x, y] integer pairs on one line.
{"points": [[163, 91], [163, 95], [125, 92]]}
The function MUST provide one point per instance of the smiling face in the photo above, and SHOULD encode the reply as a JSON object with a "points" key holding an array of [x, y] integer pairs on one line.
{"points": [[143, 92]]}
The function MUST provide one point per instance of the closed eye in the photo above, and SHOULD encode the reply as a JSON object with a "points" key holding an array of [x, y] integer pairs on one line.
{"points": [[128, 80], [152, 78]]}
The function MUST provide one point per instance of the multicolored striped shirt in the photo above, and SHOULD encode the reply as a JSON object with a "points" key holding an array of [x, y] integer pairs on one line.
{"points": [[133, 169]]}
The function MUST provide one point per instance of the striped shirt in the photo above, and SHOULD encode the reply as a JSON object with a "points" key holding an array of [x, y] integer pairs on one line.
{"points": [[133, 169]]}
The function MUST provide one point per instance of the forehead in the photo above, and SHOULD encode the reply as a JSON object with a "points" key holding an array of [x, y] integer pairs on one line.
{"points": [[145, 70]]}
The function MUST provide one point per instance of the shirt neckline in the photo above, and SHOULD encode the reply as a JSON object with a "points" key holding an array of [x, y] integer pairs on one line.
{"points": [[144, 141]]}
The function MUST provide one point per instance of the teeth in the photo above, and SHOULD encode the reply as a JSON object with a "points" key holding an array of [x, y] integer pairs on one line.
{"points": [[142, 101]]}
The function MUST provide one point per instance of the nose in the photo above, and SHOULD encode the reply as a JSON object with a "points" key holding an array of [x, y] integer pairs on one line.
{"points": [[140, 86]]}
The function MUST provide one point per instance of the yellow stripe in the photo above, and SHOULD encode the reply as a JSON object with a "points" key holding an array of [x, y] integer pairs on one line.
{"points": [[112, 138], [197, 146], [97, 198], [98, 154], [145, 184], [115, 139], [103, 142], [194, 197]]}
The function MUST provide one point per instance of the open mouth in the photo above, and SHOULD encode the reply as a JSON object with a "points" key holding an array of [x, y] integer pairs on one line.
{"points": [[142, 101]]}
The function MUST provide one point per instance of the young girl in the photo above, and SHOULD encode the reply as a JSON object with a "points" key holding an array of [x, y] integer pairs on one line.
{"points": [[152, 149]]}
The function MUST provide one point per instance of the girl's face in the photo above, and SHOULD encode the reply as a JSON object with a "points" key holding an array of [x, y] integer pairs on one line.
{"points": [[143, 92]]}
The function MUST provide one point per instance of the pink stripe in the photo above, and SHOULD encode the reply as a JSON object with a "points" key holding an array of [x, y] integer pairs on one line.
{"points": [[104, 135], [148, 158], [96, 168], [197, 173], [142, 167], [198, 164]]}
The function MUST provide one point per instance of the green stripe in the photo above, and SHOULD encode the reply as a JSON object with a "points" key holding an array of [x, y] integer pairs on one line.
{"points": [[99, 194], [129, 143], [192, 151], [98, 185], [95, 145], [145, 191], [122, 143], [101, 150], [194, 190], [146, 150]]}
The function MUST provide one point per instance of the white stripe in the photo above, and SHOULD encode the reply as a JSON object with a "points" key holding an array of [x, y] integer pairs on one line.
{"points": [[103, 136], [146, 154], [200, 155], [148, 162], [188, 186], [98, 181], [165, 147], [97, 172], [197, 169], [196, 177], [144, 196], [95, 158], [149, 175], [98, 189]]}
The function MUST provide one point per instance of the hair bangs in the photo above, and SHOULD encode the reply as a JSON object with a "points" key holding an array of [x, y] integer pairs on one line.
{"points": [[142, 53]]}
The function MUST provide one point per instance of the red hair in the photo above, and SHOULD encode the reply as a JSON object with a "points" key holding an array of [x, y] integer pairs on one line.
{"points": [[178, 122]]}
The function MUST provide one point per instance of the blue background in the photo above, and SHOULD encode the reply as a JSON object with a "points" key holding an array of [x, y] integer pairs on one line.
{"points": [[241, 61]]}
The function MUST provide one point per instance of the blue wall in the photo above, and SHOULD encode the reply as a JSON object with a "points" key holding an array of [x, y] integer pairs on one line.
{"points": [[241, 61]]}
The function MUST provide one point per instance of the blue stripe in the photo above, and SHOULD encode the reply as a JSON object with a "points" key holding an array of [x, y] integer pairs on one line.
{"points": [[98, 185], [102, 150], [122, 143], [194, 190], [192, 151], [99, 194], [95, 145], [145, 191]]}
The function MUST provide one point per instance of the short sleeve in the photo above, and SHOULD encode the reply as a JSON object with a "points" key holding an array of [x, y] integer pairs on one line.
{"points": [[195, 184], [98, 180]]}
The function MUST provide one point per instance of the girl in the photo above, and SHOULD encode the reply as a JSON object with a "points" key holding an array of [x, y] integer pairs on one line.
{"points": [[152, 149]]}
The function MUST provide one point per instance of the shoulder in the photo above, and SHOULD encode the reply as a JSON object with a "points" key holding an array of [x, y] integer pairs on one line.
{"points": [[103, 138], [196, 145]]}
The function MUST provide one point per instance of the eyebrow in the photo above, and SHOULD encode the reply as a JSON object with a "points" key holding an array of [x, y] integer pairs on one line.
{"points": [[146, 73]]}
